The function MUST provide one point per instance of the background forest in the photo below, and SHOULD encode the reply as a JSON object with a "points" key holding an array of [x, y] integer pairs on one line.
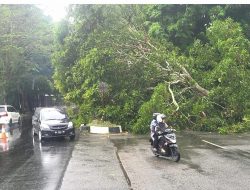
{"points": [[121, 63]]}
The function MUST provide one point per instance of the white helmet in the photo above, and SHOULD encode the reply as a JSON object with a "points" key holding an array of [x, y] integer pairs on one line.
{"points": [[160, 117], [155, 115]]}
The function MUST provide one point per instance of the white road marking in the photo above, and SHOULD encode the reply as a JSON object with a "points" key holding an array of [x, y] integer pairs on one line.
{"points": [[214, 144]]}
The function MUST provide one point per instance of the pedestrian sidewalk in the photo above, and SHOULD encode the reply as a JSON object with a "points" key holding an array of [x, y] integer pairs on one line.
{"points": [[94, 165]]}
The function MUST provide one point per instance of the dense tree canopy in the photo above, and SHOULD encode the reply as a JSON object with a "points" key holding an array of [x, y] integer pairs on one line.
{"points": [[123, 62], [25, 66]]}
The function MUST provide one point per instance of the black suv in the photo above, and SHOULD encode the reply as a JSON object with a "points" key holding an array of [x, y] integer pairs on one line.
{"points": [[52, 122]]}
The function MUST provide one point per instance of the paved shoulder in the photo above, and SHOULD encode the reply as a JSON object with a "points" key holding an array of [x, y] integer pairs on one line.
{"points": [[94, 165]]}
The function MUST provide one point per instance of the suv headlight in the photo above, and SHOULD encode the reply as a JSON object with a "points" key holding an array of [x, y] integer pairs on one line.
{"points": [[44, 126], [70, 125]]}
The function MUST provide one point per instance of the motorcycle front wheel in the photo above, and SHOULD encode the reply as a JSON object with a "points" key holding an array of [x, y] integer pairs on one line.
{"points": [[175, 155]]}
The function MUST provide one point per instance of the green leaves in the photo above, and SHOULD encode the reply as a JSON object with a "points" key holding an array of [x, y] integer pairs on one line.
{"points": [[25, 54], [157, 103], [154, 58], [155, 30], [228, 76]]}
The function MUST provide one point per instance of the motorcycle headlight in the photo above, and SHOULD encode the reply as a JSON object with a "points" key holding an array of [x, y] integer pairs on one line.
{"points": [[70, 125], [44, 126]]}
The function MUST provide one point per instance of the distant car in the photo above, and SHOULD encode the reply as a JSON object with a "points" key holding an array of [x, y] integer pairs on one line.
{"points": [[52, 122], [10, 116]]}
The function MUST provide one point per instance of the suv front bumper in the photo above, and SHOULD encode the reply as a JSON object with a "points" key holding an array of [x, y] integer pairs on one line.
{"points": [[58, 133]]}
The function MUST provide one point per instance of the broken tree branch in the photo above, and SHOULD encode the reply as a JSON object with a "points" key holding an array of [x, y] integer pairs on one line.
{"points": [[172, 94], [196, 86]]}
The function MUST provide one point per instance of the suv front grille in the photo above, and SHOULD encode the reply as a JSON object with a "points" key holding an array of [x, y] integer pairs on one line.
{"points": [[58, 127]]}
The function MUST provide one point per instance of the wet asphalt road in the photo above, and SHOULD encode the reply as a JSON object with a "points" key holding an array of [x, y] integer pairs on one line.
{"points": [[25, 164], [223, 165], [92, 161]]}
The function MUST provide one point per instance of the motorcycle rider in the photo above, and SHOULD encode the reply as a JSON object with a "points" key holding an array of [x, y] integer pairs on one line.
{"points": [[162, 125], [157, 126]]}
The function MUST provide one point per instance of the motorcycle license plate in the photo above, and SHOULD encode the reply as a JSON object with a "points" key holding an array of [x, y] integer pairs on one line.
{"points": [[173, 145]]}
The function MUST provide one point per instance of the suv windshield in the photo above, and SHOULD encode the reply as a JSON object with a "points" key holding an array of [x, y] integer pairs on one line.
{"points": [[53, 115]]}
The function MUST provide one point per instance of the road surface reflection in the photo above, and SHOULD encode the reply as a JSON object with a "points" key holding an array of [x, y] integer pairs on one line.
{"points": [[28, 164]]}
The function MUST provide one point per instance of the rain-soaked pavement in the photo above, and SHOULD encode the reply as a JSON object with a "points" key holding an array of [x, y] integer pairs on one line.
{"points": [[93, 161], [208, 161], [26, 164]]}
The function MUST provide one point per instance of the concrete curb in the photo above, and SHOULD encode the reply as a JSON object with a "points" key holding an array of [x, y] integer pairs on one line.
{"points": [[101, 130]]}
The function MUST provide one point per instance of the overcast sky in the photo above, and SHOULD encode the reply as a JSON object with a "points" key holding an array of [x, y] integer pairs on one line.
{"points": [[57, 8]]}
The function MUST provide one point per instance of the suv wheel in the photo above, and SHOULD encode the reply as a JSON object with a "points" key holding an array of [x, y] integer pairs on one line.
{"points": [[72, 137], [10, 123]]}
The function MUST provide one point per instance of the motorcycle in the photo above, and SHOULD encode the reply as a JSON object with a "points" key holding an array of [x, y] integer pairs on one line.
{"points": [[167, 146]]}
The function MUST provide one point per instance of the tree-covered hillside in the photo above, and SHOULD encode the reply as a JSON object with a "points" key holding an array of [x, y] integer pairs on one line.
{"points": [[121, 63]]}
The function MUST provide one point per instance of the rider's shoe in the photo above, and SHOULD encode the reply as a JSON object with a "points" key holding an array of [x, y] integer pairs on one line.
{"points": [[162, 150], [155, 149]]}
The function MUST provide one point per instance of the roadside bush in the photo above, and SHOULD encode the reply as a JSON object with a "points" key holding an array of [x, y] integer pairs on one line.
{"points": [[157, 103], [236, 128], [212, 124]]}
